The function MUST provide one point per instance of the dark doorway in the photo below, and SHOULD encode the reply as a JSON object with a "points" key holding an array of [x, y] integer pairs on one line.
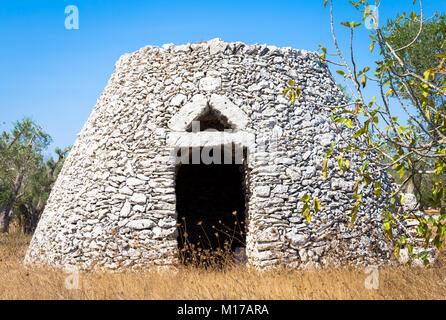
{"points": [[211, 209]]}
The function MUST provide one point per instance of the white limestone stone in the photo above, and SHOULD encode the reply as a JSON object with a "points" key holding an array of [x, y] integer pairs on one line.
{"points": [[139, 198], [235, 116], [134, 182], [191, 111], [210, 83], [178, 100], [216, 45], [126, 190], [209, 139], [262, 191], [141, 224], [125, 211], [114, 202]]}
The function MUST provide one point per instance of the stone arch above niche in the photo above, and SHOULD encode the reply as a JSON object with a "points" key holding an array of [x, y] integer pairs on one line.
{"points": [[200, 105]]}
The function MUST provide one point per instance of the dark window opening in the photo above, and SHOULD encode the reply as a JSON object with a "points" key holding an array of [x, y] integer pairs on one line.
{"points": [[211, 120], [211, 210]]}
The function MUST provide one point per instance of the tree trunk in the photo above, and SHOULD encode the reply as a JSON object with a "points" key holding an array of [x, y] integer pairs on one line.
{"points": [[3, 210], [6, 214], [32, 220], [410, 187]]}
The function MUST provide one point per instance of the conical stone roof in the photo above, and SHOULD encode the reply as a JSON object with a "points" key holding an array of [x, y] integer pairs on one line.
{"points": [[114, 203]]}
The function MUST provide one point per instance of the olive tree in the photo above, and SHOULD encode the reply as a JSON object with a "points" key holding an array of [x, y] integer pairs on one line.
{"points": [[20, 155]]}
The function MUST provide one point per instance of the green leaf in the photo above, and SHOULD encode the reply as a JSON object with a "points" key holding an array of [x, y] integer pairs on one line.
{"points": [[348, 123], [397, 250], [358, 133], [377, 188], [401, 129], [340, 161], [410, 249], [330, 150], [347, 164], [422, 255], [355, 211], [363, 81], [316, 205], [364, 165], [400, 18], [402, 171], [298, 92], [305, 198], [366, 178], [356, 5], [306, 212], [355, 187], [324, 168]]}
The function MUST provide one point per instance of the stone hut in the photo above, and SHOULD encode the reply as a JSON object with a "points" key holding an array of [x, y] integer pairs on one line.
{"points": [[197, 139]]}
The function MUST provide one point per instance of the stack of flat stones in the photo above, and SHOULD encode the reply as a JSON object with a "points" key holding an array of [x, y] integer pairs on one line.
{"points": [[113, 205]]}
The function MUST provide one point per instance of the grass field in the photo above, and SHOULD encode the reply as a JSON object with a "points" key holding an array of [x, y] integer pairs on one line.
{"points": [[18, 282]]}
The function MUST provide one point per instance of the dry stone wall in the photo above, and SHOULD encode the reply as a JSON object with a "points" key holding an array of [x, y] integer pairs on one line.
{"points": [[113, 205]]}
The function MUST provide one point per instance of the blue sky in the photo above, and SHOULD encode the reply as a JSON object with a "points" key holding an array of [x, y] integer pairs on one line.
{"points": [[55, 75]]}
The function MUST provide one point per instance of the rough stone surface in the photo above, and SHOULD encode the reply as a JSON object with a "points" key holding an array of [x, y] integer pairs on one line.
{"points": [[113, 204], [410, 202], [210, 83]]}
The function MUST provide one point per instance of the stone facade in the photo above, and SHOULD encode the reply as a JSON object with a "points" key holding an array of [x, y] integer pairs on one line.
{"points": [[114, 204]]}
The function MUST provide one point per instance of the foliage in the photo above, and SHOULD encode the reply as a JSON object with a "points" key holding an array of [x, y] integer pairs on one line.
{"points": [[422, 54], [409, 75], [25, 178], [292, 91], [344, 91]]}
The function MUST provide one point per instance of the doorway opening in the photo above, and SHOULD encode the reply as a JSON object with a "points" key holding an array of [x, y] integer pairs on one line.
{"points": [[210, 202]]}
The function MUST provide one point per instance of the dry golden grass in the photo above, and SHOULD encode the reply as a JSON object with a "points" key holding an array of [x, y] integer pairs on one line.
{"points": [[18, 282]]}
